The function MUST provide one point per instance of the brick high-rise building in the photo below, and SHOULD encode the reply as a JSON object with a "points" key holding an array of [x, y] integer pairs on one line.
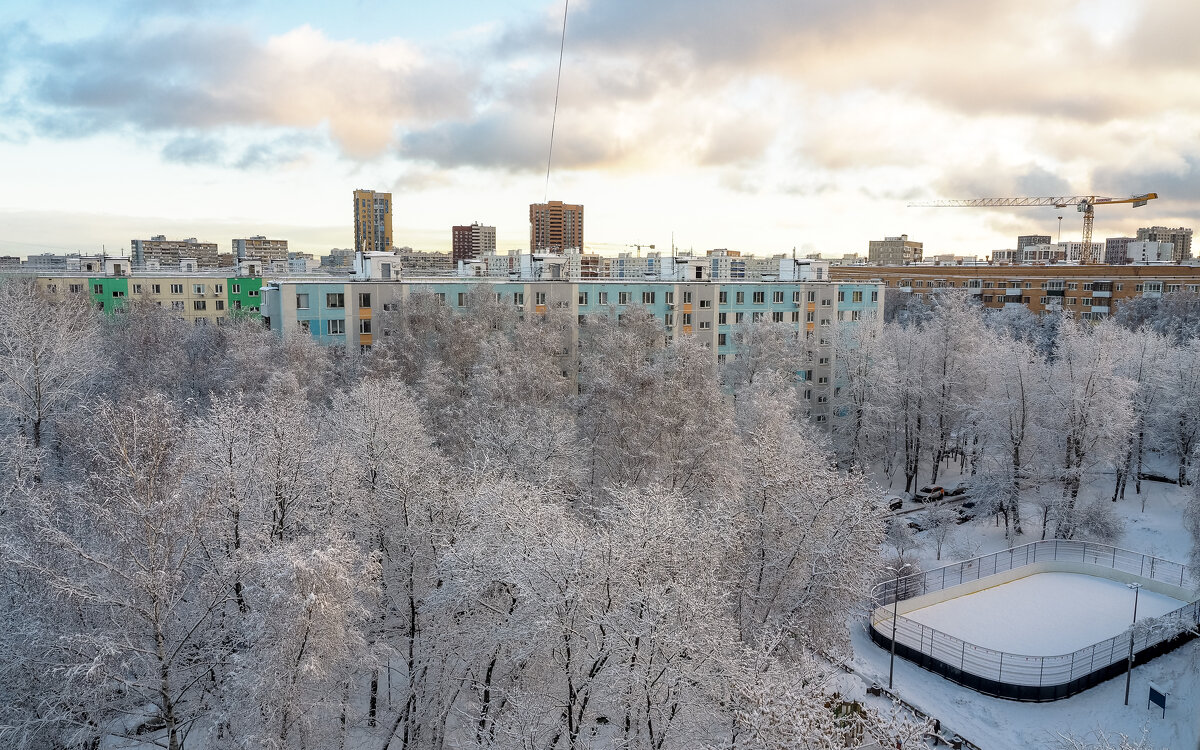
{"points": [[372, 221], [471, 241], [1180, 237], [555, 227]]}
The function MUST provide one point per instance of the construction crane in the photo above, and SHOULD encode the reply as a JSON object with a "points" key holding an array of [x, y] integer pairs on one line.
{"points": [[1085, 204], [639, 247]]}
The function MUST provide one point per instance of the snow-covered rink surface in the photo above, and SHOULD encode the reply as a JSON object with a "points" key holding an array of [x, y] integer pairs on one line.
{"points": [[1045, 614]]}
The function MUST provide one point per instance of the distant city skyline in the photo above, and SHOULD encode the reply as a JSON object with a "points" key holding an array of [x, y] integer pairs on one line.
{"points": [[758, 127]]}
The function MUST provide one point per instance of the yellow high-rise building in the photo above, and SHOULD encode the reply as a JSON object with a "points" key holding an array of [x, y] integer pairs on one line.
{"points": [[372, 221]]}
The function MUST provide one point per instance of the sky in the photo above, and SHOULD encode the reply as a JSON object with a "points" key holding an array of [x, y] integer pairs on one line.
{"points": [[760, 125]]}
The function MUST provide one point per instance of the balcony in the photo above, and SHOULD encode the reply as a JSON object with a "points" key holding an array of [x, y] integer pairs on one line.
{"points": [[1100, 309], [1101, 292], [1013, 291]]}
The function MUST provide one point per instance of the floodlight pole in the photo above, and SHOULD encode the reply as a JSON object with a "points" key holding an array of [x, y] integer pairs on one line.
{"points": [[1137, 587], [895, 611]]}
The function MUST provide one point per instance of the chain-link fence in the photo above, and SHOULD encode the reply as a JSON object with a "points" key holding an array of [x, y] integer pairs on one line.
{"points": [[1036, 678]]}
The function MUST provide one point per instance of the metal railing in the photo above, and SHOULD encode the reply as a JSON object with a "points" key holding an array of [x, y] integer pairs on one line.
{"points": [[1024, 677]]}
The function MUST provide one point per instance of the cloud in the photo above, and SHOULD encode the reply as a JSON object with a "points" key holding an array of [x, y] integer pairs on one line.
{"points": [[209, 77], [194, 150]]}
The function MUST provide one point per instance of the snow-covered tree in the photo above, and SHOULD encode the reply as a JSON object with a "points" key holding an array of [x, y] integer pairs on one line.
{"points": [[1087, 408], [48, 355]]}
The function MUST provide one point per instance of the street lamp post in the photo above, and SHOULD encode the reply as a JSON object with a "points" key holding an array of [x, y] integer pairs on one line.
{"points": [[895, 610], [1137, 587]]}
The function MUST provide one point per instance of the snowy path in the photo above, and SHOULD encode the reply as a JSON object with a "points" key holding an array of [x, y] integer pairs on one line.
{"points": [[1045, 614]]}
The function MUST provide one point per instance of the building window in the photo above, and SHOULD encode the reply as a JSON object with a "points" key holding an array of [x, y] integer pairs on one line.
{"points": [[623, 298], [337, 300], [721, 319], [197, 289], [810, 317], [218, 289], [583, 298], [705, 325], [76, 288], [220, 304], [364, 326], [795, 316], [462, 299], [826, 302], [738, 317], [875, 296], [723, 298], [757, 316], [137, 289], [305, 325], [97, 288], [1119, 287], [796, 297], [841, 296], [812, 296], [177, 305], [856, 297], [518, 299], [760, 298], [687, 319], [777, 316], [177, 289], [440, 297], [335, 327], [669, 319], [740, 299], [236, 288], [823, 380], [118, 293], [602, 297], [705, 304], [855, 314], [825, 321], [687, 298], [364, 299], [721, 338], [777, 298], [199, 305], [647, 298], [301, 301]]}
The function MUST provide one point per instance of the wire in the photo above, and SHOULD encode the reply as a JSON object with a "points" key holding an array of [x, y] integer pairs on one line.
{"points": [[562, 45]]}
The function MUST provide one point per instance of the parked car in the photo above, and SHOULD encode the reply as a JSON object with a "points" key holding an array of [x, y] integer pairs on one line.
{"points": [[963, 516], [958, 489], [894, 502], [916, 525], [929, 493]]}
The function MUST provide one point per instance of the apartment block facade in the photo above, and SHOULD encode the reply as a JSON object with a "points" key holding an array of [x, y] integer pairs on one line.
{"points": [[471, 241], [894, 251], [355, 314], [1180, 237], [259, 248], [372, 221], [198, 298], [159, 252], [1091, 292], [555, 227]]}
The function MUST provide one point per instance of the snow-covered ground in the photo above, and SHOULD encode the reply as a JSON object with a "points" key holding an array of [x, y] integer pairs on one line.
{"points": [[1045, 614], [997, 724]]}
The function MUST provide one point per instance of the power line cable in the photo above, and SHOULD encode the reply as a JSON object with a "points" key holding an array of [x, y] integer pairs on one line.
{"points": [[557, 83]]}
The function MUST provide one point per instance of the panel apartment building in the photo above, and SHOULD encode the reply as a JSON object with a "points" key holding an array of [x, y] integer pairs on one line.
{"points": [[894, 251], [259, 248], [1090, 292], [351, 314], [160, 252], [200, 298]]}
